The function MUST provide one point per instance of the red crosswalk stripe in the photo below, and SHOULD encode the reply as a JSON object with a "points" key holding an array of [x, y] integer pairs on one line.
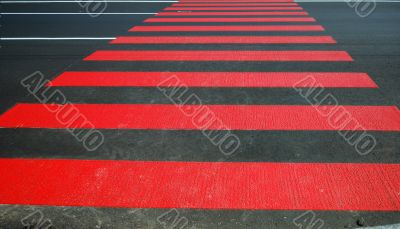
{"points": [[252, 13], [236, 117], [234, 4], [224, 40], [257, 19], [241, 1], [211, 55], [260, 8], [214, 79], [201, 185], [198, 28]]}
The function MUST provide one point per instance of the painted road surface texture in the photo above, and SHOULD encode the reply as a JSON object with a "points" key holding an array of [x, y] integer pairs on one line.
{"points": [[199, 114]]}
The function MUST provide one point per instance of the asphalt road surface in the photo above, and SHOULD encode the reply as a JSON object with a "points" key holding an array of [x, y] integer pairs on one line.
{"points": [[148, 155]]}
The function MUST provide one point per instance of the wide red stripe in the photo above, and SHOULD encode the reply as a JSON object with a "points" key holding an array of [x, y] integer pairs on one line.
{"points": [[211, 55], [224, 40], [230, 1], [234, 4], [236, 117], [251, 19], [235, 8], [199, 28], [214, 79], [201, 185], [271, 13]]}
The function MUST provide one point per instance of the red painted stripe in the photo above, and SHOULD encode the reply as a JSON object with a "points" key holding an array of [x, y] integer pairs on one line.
{"points": [[199, 28], [274, 13], [211, 55], [201, 185], [252, 19], [171, 117], [235, 8], [230, 1], [234, 4], [214, 79], [224, 40]]}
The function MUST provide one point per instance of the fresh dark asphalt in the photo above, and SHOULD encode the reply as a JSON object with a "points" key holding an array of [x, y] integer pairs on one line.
{"points": [[374, 43]]}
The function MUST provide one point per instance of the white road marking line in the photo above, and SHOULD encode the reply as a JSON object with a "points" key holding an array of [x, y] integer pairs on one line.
{"points": [[54, 38], [35, 13], [76, 1]]}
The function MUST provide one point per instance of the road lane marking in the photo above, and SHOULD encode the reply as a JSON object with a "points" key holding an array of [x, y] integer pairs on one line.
{"points": [[54, 38], [80, 1], [56, 13]]}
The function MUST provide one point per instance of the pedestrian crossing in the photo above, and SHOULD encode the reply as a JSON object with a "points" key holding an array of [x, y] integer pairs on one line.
{"points": [[211, 184]]}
